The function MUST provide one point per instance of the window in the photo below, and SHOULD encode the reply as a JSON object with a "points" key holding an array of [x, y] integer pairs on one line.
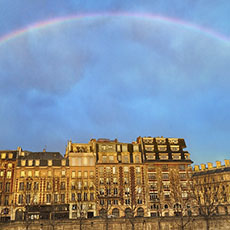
{"points": [[49, 162], [63, 198], [165, 176], [79, 196], [3, 155], [126, 159], [182, 167], [79, 174], [20, 199], [21, 186], [139, 201], [29, 173], [85, 174], [152, 176], [23, 162], [165, 167], [102, 202], [1, 173], [85, 184], [48, 186], [37, 162], [49, 173], [28, 185], [62, 185], [101, 180], [174, 147], [73, 197], [176, 156], [149, 148], [28, 199], [138, 169], [115, 180], [85, 196], [30, 162], [137, 159], [115, 202], [126, 169], [91, 196], [127, 201], [107, 180], [111, 158], [36, 173], [182, 176], [36, 185], [127, 191], [153, 196], [91, 174], [124, 148], [7, 188], [55, 198], [73, 185], [115, 191], [63, 173], [150, 156], [162, 147], [63, 162], [8, 174], [73, 174], [48, 198], [22, 174], [10, 155], [163, 156], [104, 159], [135, 148]]}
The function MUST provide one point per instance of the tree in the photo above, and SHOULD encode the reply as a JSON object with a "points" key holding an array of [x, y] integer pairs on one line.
{"points": [[207, 194], [181, 197]]}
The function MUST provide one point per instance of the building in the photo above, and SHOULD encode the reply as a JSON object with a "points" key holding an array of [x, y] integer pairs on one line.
{"points": [[212, 188], [148, 177], [41, 186]]}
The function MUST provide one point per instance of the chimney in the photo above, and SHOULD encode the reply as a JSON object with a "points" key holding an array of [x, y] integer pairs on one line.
{"points": [[203, 166], [210, 165], [218, 164], [227, 163], [196, 167]]}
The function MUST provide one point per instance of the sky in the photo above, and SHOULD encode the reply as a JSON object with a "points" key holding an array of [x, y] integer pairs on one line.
{"points": [[77, 70]]}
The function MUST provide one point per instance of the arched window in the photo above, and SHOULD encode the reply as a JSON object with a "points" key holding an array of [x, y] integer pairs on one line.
{"points": [[102, 212], [128, 212], [116, 212], [19, 214], [140, 212]]}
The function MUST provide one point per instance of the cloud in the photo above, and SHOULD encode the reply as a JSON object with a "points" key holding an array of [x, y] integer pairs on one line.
{"points": [[118, 77]]}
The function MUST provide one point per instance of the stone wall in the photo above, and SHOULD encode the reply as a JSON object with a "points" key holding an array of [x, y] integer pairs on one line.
{"points": [[169, 223]]}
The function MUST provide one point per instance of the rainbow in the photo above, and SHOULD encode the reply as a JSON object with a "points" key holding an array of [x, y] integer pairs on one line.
{"points": [[53, 22]]}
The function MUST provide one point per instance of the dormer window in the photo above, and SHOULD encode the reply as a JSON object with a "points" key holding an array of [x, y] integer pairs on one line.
{"points": [[150, 156], [174, 147], [162, 147], [163, 156]]}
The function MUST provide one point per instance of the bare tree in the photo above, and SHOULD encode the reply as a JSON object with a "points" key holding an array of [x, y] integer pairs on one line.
{"points": [[207, 194], [181, 197]]}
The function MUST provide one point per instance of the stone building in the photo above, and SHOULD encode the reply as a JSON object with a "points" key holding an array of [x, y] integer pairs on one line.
{"points": [[7, 178], [99, 178], [82, 175], [212, 187], [41, 186]]}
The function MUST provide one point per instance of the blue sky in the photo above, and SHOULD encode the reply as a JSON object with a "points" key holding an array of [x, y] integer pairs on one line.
{"points": [[116, 76]]}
